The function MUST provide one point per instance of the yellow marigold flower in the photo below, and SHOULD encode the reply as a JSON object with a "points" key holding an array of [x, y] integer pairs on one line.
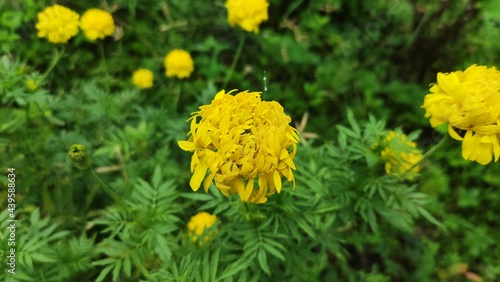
{"points": [[202, 228], [57, 23], [97, 23], [242, 142], [178, 63], [143, 78], [247, 14], [400, 155], [469, 102]]}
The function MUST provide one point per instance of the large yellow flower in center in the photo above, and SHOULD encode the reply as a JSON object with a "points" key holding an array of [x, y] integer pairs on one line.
{"points": [[246, 145], [469, 102]]}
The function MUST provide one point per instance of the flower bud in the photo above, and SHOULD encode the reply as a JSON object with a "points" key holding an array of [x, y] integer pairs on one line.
{"points": [[78, 154]]}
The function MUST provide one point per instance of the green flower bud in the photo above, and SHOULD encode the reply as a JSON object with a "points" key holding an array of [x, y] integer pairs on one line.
{"points": [[78, 154]]}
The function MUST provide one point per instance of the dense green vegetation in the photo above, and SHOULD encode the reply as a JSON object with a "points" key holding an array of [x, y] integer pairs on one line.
{"points": [[346, 72]]}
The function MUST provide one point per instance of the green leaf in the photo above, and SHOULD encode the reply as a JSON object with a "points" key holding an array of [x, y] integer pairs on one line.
{"points": [[353, 123], [215, 264], [272, 250], [117, 269], [104, 273], [262, 258], [428, 216], [157, 177], [236, 267]]}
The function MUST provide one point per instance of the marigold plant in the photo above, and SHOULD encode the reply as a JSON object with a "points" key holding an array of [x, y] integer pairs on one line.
{"points": [[245, 144], [57, 23], [143, 78], [201, 228], [97, 24], [401, 155], [247, 14], [469, 102], [178, 63]]}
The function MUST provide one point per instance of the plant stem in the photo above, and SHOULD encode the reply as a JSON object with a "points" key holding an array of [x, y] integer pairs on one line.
{"points": [[235, 60], [108, 190], [105, 65], [431, 151], [55, 59]]}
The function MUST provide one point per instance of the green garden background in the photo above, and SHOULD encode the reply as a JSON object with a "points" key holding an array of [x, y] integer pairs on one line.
{"points": [[347, 73]]}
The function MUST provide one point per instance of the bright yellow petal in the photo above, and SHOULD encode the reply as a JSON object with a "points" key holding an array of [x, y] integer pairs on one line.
{"points": [[198, 175], [277, 181], [186, 145]]}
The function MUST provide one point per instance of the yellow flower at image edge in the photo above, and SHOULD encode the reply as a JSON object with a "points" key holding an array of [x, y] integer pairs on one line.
{"points": [[97, 23], [201, 227], [246, 145], [400, 155], [178, 63], [143, 78], [469, 102], [247, 14], [57, 23]]}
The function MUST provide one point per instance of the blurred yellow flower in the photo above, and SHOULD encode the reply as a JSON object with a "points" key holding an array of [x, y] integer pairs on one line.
{"points": [[178, 63], [469, 102], [248, 14], [57, 23], [201, 228], [31, 84], [400, 155], [242, 142], [143, 78], [97, 23]]}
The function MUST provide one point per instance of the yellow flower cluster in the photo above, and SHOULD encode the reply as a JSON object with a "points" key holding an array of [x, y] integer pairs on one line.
{"points": [[142, 78], [97, 23], [400, 155], [242, 142], [59, 24], [247, 14], [178, 63], [201, 228], [469, 102]]}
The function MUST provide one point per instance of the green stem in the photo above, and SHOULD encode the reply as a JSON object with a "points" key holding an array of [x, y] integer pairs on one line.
{"points": [[105, 65], [419, 28], [55, 59], [177, 95], [108, 190], [431, 151], [235, 60]]}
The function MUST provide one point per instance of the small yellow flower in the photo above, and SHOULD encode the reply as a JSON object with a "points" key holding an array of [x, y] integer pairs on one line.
{"points": [[469, 102], [248, 14], [201, 228], [246, 145], [97, 23], [400, 155], [57, 23], [31, 84], [178, 63], [143, 78]]}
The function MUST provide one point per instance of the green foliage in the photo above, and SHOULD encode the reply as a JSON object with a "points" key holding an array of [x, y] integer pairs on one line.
{"points": [[357, 69]]}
